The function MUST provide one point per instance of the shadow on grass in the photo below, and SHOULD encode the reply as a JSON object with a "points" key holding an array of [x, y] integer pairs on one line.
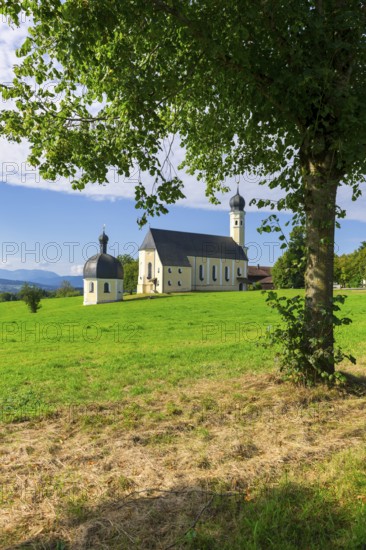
{"points": [[286, 517], [355, 384], [130, 298]]}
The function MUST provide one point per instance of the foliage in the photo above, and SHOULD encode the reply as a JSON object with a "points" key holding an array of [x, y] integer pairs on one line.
{"points": [[269, 81], [299, 350], [278, 92], [289, 269], [256, 286], [350, 269], [31, 295], [130, 272], [8, 296], [66, 290], [125, 259]]}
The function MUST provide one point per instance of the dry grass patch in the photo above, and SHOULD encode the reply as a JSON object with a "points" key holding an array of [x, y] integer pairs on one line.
{"points": [[79, 479]]}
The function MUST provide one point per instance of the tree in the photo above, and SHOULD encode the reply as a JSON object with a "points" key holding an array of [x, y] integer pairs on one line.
{"points": [[289, 269], [350, 269], [274, 87], [8, 297], [31, 295], [130, 272], [66, 290]]}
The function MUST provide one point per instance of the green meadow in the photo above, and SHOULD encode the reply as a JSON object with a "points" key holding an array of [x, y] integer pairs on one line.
{"points": [[69, 353]]}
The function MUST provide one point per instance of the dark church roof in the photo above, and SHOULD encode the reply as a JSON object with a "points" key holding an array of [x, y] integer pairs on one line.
{"points": [[174, 247], [103, 265]]}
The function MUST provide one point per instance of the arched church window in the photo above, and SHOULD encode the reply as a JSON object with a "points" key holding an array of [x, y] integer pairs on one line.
{"points": [[179, 270], [91, 287], [169, 283], [169, 269], [201, 272], [239, 271], [227, 274], [236, 222], [106, 288], [179, 283], [149, 270], [214, 273]]}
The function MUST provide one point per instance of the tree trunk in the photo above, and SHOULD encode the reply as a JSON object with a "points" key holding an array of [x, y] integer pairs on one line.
{"points": [[321, 184]]}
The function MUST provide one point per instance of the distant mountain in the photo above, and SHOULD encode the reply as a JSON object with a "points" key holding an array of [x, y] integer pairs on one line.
{"points": [[7, 285], [45, 279]]}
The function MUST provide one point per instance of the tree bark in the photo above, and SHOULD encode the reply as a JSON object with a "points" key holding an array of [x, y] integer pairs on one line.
{"points": [[321, 181]]}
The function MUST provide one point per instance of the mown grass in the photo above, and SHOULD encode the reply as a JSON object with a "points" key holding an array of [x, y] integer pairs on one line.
{"points": [[209, 472], [67, 353], [322, 508]]}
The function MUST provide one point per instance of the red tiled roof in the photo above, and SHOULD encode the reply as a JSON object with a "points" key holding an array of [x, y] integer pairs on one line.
{"points": [[261, 271], [266, 281]]}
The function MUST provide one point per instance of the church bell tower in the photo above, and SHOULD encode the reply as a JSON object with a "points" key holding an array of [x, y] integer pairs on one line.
{"points": [[237, 219]]}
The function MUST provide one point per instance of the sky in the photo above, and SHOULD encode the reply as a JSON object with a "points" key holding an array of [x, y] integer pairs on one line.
{"points": [[48, 225]]}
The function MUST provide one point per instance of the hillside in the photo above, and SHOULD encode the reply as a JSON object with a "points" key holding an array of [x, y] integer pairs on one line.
{"points": [[45, 279], [9, 285]]}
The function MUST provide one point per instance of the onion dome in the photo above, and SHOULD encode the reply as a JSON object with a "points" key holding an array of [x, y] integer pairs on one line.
{"points": [[237, 202], [103, 265]]}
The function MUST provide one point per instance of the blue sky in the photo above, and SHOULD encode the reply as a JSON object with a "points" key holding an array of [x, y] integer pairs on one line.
{"points": [[37, 213], [57, 231], [38, 226]]}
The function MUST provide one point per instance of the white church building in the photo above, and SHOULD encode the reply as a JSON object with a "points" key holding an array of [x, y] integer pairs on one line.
{"points": [[176, 261], [103, 277]]}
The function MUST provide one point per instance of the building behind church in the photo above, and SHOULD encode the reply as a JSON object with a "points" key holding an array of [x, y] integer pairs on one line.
{"points": [[176, 261]]}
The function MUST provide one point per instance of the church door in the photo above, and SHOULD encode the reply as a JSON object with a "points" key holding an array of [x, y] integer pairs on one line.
{"points": [[241, 286]]}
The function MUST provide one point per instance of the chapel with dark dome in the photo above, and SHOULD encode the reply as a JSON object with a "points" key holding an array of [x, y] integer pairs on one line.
{"points": [[103, 276]]}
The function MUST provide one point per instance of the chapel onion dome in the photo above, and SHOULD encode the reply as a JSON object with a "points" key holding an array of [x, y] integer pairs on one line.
{"points": [[103, 265], [237, 203]]}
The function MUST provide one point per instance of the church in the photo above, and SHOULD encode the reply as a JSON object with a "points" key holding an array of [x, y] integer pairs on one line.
{"points": [[176, 261], [103, 277]]}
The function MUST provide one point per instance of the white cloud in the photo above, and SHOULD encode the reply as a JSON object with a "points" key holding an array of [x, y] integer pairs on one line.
{"points": [[76, 269], [14, 171]]}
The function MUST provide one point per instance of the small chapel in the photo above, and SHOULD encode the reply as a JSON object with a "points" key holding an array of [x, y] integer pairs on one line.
{"points": [[103, 276], [177, 261]]}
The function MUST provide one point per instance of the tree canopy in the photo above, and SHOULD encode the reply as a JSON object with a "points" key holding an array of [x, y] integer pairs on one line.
{"points": [[289, 269], [130, 272], [350, 269], [272, 87], [246, 85], [31, 295], [66, 290]]}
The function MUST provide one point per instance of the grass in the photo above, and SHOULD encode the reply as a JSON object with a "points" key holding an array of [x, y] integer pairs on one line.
{"points": [[298, 513], [172, 430], [68, 354], [213, 472]]}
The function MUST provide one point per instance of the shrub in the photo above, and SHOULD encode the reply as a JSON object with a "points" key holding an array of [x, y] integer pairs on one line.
{"points": [[301, 355], [31, 295]]}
